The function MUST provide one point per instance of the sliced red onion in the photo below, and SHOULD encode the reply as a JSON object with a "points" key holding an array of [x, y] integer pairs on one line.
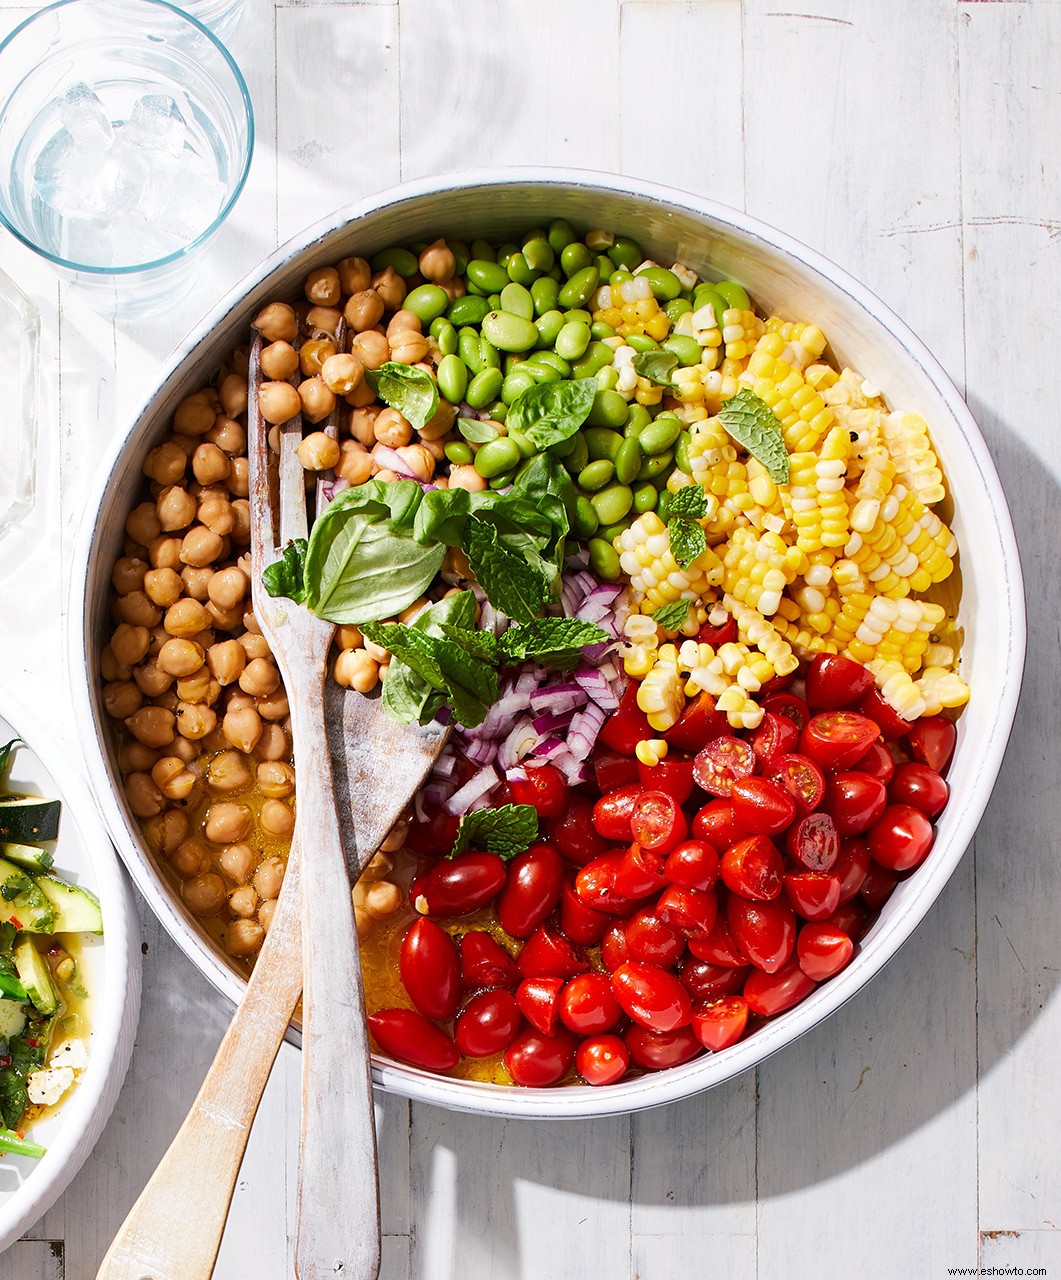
{"points": [[585, 726], [528, 680], [445, 765], [558, 700], [437, 792], [386, 457], [481, 751], [482, 803], [518, 774], [549, 722], [491, 619], [519, 743], [549, 748], [478, 785], [597, 687]]}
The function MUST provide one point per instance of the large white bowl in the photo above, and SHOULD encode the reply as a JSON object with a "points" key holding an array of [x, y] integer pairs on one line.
{"points": [[781, 274]]}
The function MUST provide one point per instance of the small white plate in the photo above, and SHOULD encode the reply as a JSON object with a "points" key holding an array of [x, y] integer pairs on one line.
{"points": [[111, 972]]}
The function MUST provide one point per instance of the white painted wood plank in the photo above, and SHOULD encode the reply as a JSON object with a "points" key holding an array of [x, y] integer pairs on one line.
{"points": [[394, 1258], [1011, 197], [1036, 1252], [36, 1260], [691, 139]]}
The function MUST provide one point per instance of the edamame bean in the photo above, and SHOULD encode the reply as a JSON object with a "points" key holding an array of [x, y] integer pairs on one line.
{"points": [[625, 253], [545, 292], [470, 350], [627, 461], [405, 263], [608, 378], [660, 434], [560, 235], [491, 355], [572, 340], [598, 356], [502, 481], [677, 308], [681, 454], [612, 504], [445, 335], [574, 258], [563, 448], [539, 254], [509, 332], [603, 265], [427, 301], [599, 239], [505, 253], [495, 301], [645, 498], [655, 465], [540, 372], [498, 410], [604, 560], [467, 310], [578, 455], [549, 325], [526, 446], [577, 315], [517, 301], [586, 522], [602, 442], [579, 287], [496, 457], [554, 362], [482, 251], [637, 421], [595, 475], [665, 284], [452, 375], [483, 388], [515, 384], [520, 272], [598, 329], [641, 342], [458, 453], [705, 293], [460, 257], [619, 277], [733, 295], [613, 531], [609, 410], [685, 348], [488, 277]]}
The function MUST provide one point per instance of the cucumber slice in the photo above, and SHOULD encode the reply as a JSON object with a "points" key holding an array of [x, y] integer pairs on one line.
{"points": [[76, 910], [29, 818], [22, 902], [12, 1019], [28, 856], [33, 971]]}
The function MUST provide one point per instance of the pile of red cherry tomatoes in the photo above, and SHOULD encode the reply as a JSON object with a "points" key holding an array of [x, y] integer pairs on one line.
{"points": [[669, 909]]}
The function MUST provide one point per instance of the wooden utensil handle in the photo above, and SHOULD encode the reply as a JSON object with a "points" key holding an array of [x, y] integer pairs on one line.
{"points": [[173, 1231]]}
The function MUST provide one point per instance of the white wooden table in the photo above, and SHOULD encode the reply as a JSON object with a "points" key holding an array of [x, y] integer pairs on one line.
{"points": [[916, 143]]}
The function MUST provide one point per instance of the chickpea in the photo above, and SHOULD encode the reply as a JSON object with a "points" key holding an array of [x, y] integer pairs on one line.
{"points": [[379, 866], [354, 464], [269, 877], [128, 574], [173, 778], [204, 894], [210, 464], [312, 355], [196, 579], [390, 287], [229, 436], [408, 347], [151, 680], [241, 517], [276, 779], [317, 401], [233, 395], [441, 423], [165, 553], [142, 524], [129, 644], [166, 464], [274, 706], [453, 289], [175, 508], [190, 857], [137, 610], [254, 643], [165, 833], [355, 669], [243, 901], [186, 750], [239, 480], [134, 757], [363, 310], [437, 262], [217, 515], [186, 618], [279, 402], [181, 657], [392, 429], [372, 349], [110, 668], [121, 698], [354, 275], [277, 820], [199, 687], [226, 661], [376, 652], [163, 587], [323, 319], [382, 899], [363, 425], [201, 547], [277, 322], [466, 478], [402, 322], [228, 773], [195, 720], [242, 727], [349, 637], [143, 796], [266, 912], [195, 415], [260, 678], [273, 744], [153, 726], [395, 837], [362, 922], [318, 451], [418, 460], [237, 862], [322, 286], [244, 937], [227, 822], [228, 587], [279, 360]]}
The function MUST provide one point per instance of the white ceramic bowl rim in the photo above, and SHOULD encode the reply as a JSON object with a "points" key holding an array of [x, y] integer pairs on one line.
{"points": [[887, 936]]}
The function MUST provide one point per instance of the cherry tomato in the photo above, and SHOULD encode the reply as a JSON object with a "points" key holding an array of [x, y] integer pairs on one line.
{"points": [[855, 801], [694, 863], [691, 912], [720, 1023], [814, 895], [673, 776], [753, 868], [788, 705], [537, 1061], [602, 1060], [920, 786], [697, 725], [612, 770], [535, 878], [877, 763], [488, 1024], [902, 837], [715, 636], [835, 681], [433, 838], [485, 962], [614, 950], [932, 741], [813, 842], [539, 1002], [412, 1038], [823, 950], [457, 886], [649, 939], [544, 787], [761, 807], [658, 824], [573, 832], [889, 722], [801, 778], [626, 727], [639, 873], [706, 982], [548, 954], [715, 824], [595, 885], [850, 867], [718, 766], [720, 947], [651, 996], [582, 924], [775, 736], [849, 918], [588, 1004], [837, 739], [764, 931], [612, 813], [657, 1050], [430, 969], [878, 886], [771, 993]]}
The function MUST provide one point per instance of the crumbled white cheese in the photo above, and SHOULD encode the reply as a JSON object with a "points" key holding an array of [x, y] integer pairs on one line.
{"points": [[71, 1053], [47, 1087]]}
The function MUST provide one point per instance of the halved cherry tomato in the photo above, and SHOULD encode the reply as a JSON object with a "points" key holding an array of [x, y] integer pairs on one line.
{"points": [[801, 778], [539, 1002], [612, 770], [761, 806], [823, 950], [720, 947], [548, 954], [535, 878], [775, 736], [932, 741], [651, 996], [837, 739], [612, 813], [457, 886], [715, 824], [768, 994], [902, 837], [639, 873], [753, 868], [878, 763], [613, 946], [588, 1004], [920, 786], [626, 727], [718, 766], [764, 931], [430, 969], [487, 1024], [706, 982], [544, 787], [652, 941], [813, 842], [595, 885], [889, 722], [573, 832], [788, 705], [720, 1023], [850, 867], [671, 775], [657, 1050], [691, 912], [485, 962], [412, 1038], [814, 895], [835, 681], [878, 886], [658, 824], [433, 838], [537, 1061], [855, 801], [697, 725], [582, 924], [602, 1060], [693, 863], [715, 636]]}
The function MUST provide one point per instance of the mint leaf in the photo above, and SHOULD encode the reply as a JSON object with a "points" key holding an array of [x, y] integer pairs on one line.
{"points": [[481, 645], [689, 501], [412, 392], [755, 426], [505, 831], [415, 648], [656, 366], [687, 540], [466, 683], [407, 697], [552, 411], [511, 583], [549, 637], [672, 617], [476, 432], [287, 576]]}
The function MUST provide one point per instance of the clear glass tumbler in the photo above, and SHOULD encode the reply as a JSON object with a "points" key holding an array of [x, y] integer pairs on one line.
{"points": [[126, 133]]}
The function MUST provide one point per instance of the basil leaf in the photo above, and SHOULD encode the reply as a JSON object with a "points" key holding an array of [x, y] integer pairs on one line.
{"points": [[287, 576], [689, 501], [505, 831], [672, 617], [755, 426], [512, 584], [656, 366], [687, 540], [481, 645], [552, 411], [476, 432], [412, 392], [549, 637]]}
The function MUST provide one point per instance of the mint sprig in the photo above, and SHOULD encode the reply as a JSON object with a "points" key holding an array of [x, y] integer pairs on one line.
{"points": [[755, 426], [505, 831], [672, 617]]}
